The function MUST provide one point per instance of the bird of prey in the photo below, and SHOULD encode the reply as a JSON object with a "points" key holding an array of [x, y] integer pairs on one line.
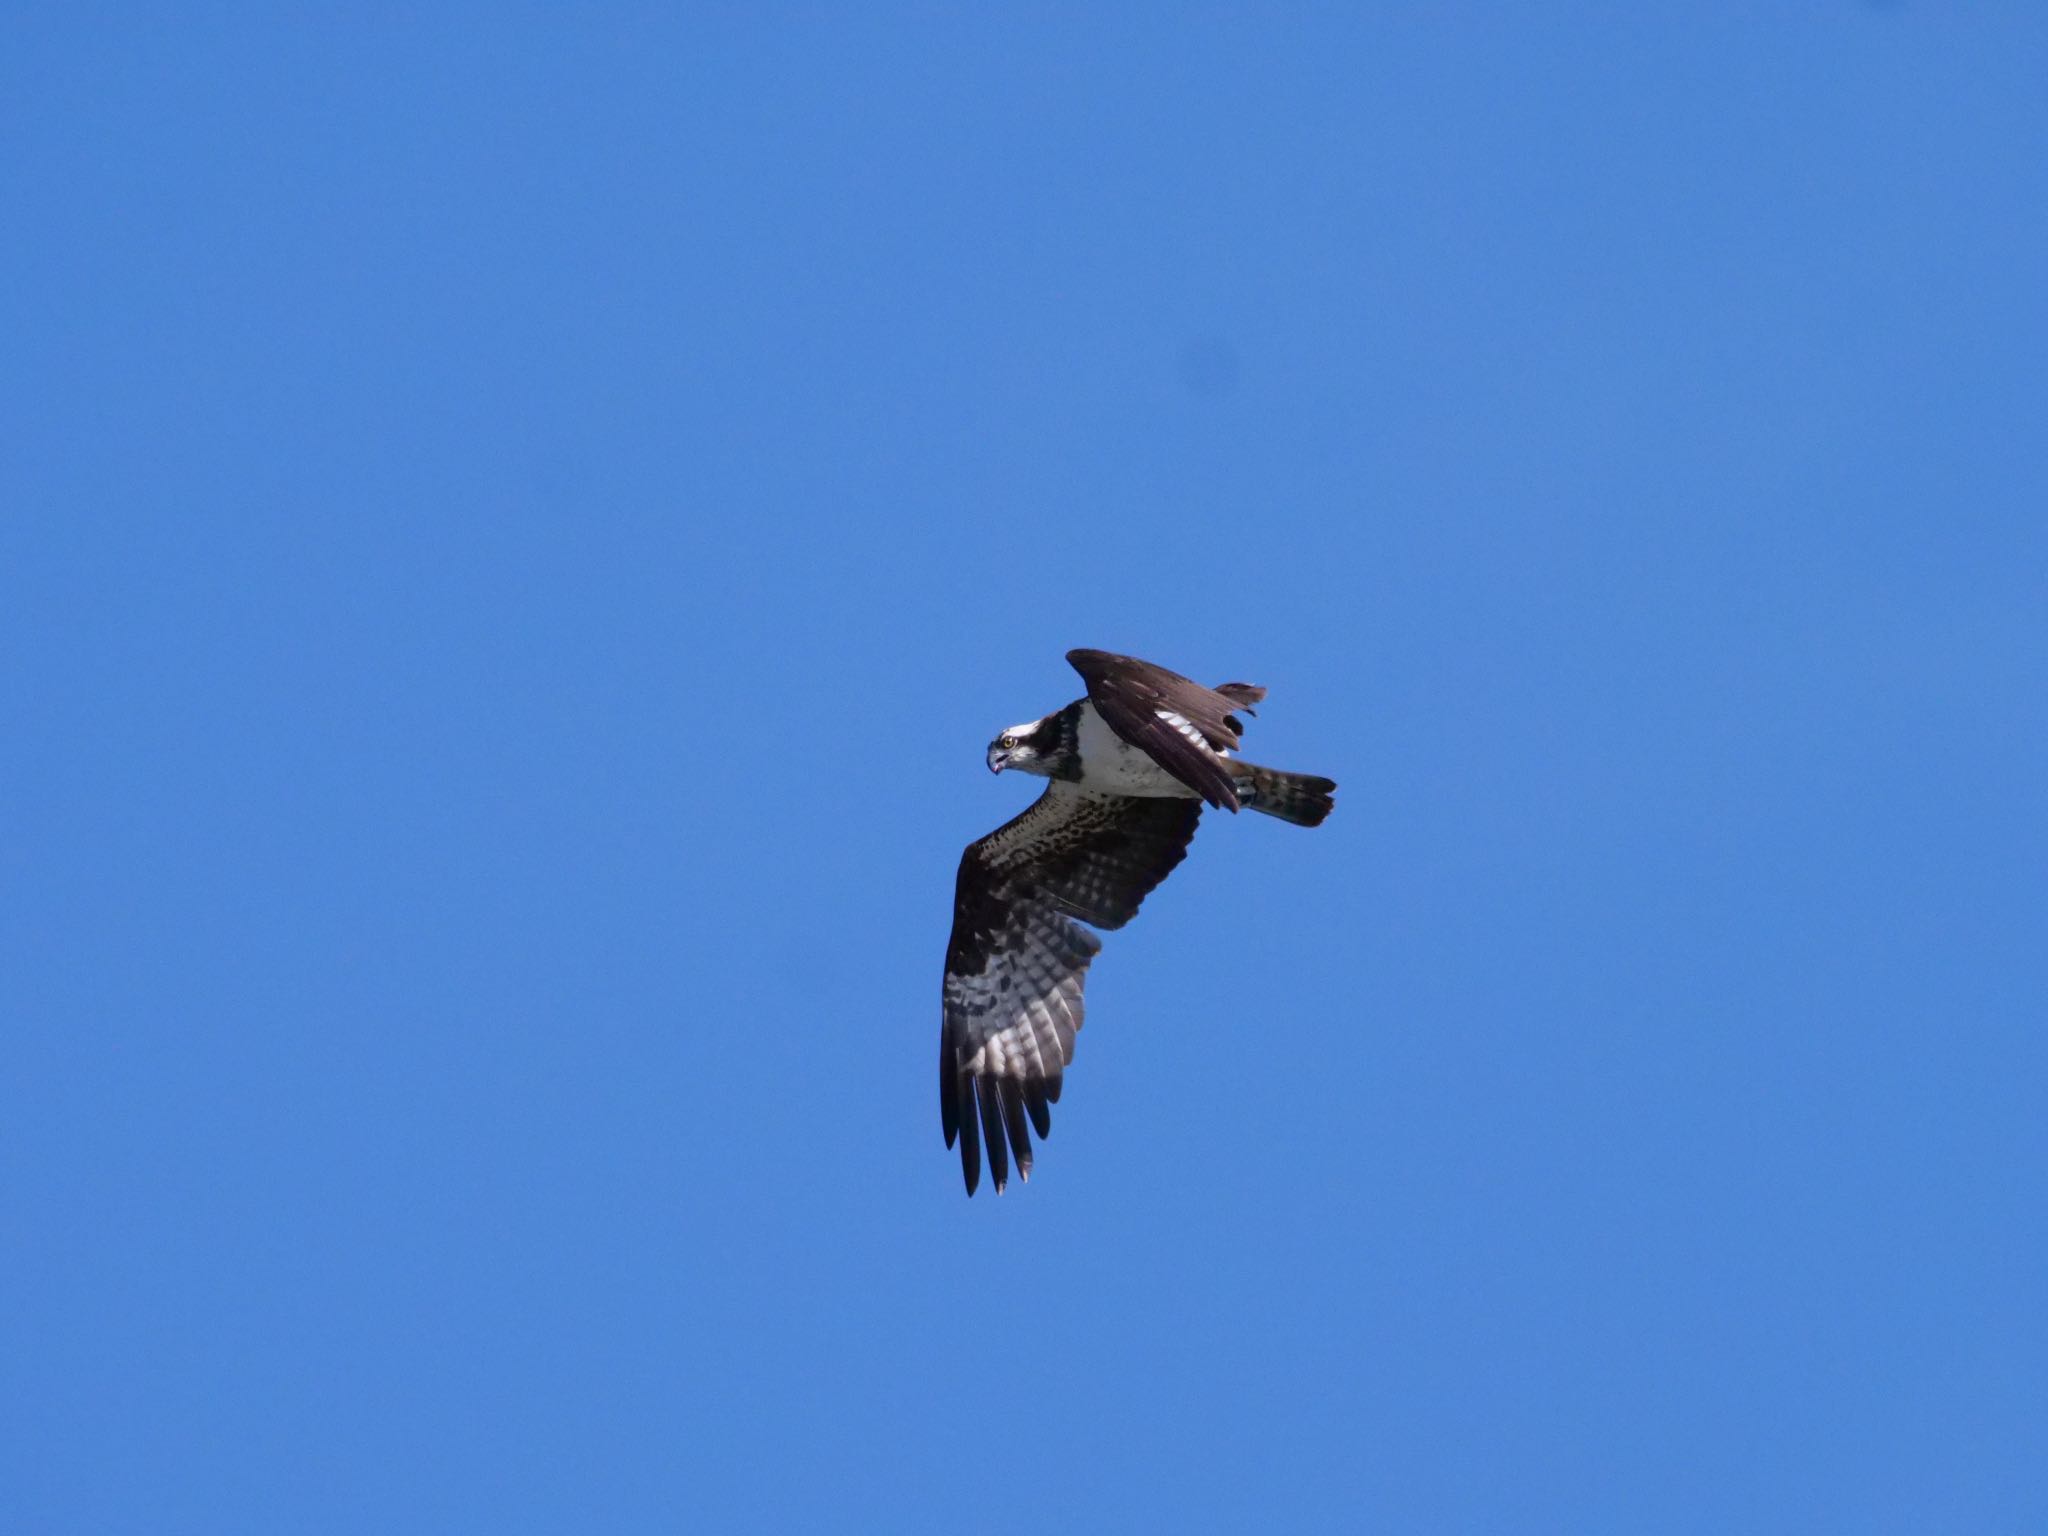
{"points": [[1131, 766]]}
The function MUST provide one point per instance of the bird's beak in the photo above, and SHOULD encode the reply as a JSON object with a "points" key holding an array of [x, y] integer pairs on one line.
{"points": [[998, 758]]}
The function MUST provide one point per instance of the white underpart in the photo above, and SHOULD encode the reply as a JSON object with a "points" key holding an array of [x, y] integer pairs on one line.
{"points": [[1110, 763], [1028, 1044], [995, 1056], [1043, 1037], [1186, 727]]}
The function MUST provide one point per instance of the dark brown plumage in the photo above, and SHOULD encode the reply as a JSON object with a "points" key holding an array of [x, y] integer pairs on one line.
{"points": [[1131, 767], [1016, 960], [1129, 695]]}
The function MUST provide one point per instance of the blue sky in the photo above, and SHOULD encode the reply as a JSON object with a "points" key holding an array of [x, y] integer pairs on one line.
{"points": [[518, 526]]}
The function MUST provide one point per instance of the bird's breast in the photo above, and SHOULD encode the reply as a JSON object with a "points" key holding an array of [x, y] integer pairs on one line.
{"points": [[1112, 765]]}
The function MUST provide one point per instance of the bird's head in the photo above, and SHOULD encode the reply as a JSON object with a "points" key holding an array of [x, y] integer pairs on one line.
{"points": [[1027, 748]]}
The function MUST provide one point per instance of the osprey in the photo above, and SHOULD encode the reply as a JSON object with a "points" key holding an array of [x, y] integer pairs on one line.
{"points": [[1131, 767]]}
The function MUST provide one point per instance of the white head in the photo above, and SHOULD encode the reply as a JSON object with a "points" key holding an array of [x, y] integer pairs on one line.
{"points": [[1027, 748]]}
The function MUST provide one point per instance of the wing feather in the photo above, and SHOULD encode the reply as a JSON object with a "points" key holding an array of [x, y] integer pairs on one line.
{"points": [[992, 1124], [1179, 724], [1035, 1100], [1020, 1130], [1018, 957]]}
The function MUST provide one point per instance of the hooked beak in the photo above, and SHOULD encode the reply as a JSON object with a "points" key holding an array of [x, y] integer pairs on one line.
{"points": [[998, 757]]}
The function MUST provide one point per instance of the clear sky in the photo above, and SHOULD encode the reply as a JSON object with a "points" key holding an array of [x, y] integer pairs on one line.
{"points": [[518, 524]]}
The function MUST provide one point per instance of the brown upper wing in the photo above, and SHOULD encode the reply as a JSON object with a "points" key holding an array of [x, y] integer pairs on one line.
{"points": [[1017, 958], [1180, 724]]}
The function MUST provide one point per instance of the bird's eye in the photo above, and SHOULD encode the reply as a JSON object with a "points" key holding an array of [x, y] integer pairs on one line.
{"points": [[1009, 740]]}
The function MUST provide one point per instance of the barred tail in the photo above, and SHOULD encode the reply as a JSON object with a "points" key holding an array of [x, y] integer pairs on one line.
{"points": [[1301, 798]]}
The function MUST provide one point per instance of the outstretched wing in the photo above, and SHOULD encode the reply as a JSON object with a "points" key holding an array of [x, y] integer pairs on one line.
{"points": [[1179, 724], [1017, 958]]}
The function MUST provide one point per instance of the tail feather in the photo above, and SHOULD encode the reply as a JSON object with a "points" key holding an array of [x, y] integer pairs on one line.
{"points": [[1301, 798]]}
